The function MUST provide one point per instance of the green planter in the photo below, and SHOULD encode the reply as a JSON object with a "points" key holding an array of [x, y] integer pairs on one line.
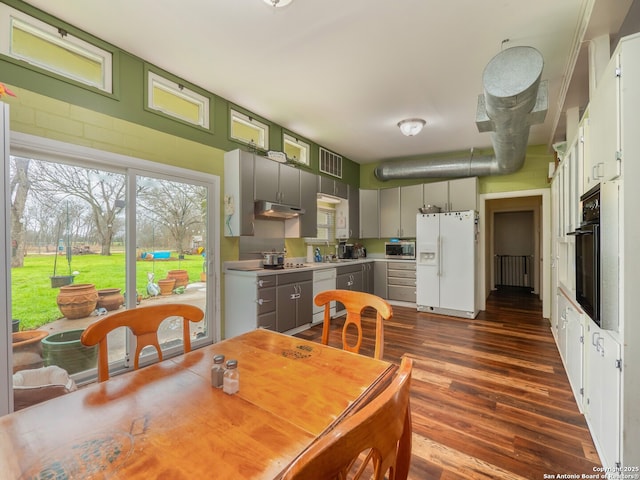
{"points": [[65, 350]]}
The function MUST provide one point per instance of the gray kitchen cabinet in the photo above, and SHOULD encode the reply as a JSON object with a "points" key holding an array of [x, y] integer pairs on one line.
{"points": [[308, 201], [452, 195], [331, 186], [368, 277], [276, 182], [369, 214], [266, 300], [354, 212], [349, 277], [380, 286], [294, 300], [401, 281], [398, 210], [410, 202], [238, 193], [390, 212]]}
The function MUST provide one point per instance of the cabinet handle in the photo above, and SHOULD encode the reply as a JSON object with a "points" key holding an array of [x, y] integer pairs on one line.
{"points": [[262, 301], [262, 283]]}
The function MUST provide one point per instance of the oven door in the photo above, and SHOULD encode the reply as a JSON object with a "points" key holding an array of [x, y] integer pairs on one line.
{"points": [[588, 270]]}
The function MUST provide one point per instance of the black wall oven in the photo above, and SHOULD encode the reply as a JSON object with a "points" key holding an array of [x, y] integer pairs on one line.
{"points": [[588, 255]]}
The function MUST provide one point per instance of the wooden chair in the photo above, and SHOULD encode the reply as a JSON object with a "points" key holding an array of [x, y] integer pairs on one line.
{"points": [[380, 432], [144, 323], [355, 303]]}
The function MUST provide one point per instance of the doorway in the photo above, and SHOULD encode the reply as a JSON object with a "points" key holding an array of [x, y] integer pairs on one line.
{"points": [[511, 211]]}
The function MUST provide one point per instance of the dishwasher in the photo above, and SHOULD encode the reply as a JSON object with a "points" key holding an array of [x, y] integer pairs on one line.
{"points": [[323, 279]]}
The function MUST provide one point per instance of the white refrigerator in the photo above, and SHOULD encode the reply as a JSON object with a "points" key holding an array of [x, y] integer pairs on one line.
{"points": [[446, 257]]}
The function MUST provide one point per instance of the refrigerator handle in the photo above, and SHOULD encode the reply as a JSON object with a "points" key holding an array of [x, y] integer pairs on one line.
{"points": [[439, 250]]}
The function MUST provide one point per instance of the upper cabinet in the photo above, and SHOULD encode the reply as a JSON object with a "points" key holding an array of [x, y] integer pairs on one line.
{"points": [[605, 158], [369, 214], [238, 193], [398, 210], [354, 212], [452, 195], [331, 186], [276, 182]]}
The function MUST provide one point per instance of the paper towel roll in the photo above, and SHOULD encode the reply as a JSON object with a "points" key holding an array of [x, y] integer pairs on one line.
{"points": [[309, 254]]}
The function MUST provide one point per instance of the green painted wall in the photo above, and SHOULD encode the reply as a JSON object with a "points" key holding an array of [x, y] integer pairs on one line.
{"points": [[128, 100]]}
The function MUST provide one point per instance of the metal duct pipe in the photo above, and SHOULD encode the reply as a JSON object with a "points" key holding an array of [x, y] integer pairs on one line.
{"points": [[514, 99]]}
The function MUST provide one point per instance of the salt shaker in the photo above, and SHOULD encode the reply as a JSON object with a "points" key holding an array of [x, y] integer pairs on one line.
{"points": [[217, 371], [231, 382]]}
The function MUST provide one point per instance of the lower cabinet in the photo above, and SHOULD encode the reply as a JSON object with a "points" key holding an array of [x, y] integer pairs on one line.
{"points": [[401, 281], [294, 297], [349, 277], [602, 392], [368, 277]]}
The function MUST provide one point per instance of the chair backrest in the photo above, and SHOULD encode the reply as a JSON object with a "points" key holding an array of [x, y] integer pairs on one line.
{"points": [[143, 323], [381, 430], [355, 303]]}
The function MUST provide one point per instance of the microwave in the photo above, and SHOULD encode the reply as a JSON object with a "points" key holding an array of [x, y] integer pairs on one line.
{"points": [[404, 250]]}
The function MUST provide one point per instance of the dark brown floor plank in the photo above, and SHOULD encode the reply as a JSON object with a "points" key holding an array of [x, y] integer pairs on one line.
{"points": [[490, 397]]}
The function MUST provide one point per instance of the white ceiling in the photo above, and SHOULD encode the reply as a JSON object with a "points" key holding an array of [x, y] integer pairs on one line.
{"points": [[342, 73]]}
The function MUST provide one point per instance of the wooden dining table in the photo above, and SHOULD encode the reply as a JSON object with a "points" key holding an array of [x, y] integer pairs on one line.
{"points": [[166, 421]]}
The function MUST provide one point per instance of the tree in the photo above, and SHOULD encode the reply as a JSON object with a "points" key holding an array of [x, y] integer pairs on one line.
{"points": [[19, 185], [104, 193], [178, 207]]}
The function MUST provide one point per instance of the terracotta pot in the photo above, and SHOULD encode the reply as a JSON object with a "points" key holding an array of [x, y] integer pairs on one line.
{"points": [[110, 298], [166, 286], [27, 349], [77, 301], [181, 276]]}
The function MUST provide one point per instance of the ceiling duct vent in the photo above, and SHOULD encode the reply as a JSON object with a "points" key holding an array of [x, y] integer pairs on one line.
{"points": [[514, 99]]}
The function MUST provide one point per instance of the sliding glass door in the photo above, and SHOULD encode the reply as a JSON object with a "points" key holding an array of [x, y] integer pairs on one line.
{"points": [[94, 233]]}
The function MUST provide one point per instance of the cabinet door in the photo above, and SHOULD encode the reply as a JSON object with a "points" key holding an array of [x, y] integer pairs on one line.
{"points": [[308, 201], [604, 127], [287, 298], [436, 194], [575, 353], [380, 273], [358, 282], [304, 312], [266, 174], [410, 202], [288, 185], [602, 392], [463, 194], [390, 212], [341, 189], [354, 212], [369, 214]]}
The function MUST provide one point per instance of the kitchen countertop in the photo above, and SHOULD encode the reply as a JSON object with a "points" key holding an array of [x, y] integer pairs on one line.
{"points": [[254, 266]]}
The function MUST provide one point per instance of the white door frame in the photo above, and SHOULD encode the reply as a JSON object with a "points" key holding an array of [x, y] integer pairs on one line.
{"points": [[545, 246]]}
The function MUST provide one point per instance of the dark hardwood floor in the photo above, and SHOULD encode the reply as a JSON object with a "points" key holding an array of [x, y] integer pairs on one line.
{"points": [[490, 397]]}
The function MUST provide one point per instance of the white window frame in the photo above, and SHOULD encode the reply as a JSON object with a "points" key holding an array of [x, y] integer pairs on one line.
{"points": [[330, 227], [297, 143], [263, 138], [57, 36], [158, 81]]}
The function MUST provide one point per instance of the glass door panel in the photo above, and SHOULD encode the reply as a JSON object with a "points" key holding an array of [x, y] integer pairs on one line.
{"points": [[67, 260], [171, 251]]}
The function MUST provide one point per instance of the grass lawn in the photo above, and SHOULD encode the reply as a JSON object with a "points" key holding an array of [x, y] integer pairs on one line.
{"points": [[34, 301]]}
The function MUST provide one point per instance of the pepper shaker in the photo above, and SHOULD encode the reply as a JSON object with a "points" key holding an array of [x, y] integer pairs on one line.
{"points": [[217, 371]]}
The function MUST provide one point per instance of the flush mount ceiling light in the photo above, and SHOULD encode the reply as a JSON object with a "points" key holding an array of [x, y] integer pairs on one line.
{"points": [[277, 3], [411, 126]]}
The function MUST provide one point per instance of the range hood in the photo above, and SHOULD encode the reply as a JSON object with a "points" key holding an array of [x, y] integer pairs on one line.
{"points": [[266, 209]]}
